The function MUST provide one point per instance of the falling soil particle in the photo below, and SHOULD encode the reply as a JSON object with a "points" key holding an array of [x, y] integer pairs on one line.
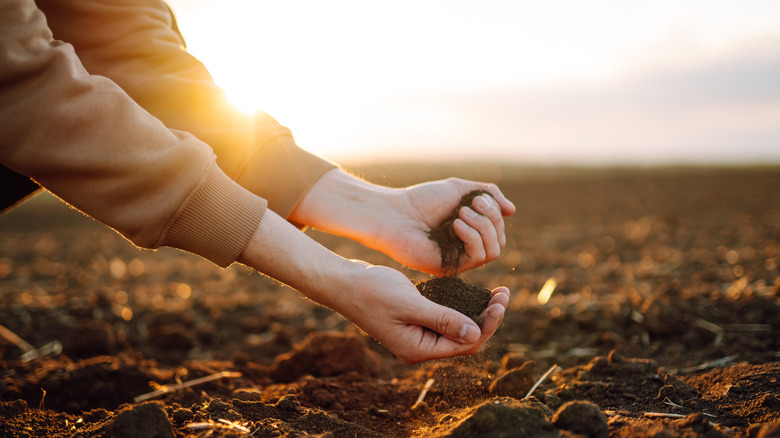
{"points": [[450, 245], [468, 299]]}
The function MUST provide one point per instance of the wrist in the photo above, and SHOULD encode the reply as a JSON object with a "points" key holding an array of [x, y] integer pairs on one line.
{"points": [[283, 252], [345, 205]]}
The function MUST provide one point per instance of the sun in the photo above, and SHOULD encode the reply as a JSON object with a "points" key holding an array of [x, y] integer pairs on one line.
{"points": [[263, 65]]}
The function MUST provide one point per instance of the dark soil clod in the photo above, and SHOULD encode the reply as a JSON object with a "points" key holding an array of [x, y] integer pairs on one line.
{"points": [[468, 299]]}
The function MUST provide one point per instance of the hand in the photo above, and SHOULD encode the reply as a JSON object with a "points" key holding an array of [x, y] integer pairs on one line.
{"points": [[389, 308], [379, 300], [420, 208], [397, 221]]}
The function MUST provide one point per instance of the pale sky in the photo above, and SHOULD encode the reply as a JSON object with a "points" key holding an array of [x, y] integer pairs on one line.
{"points": [[537, 82]]}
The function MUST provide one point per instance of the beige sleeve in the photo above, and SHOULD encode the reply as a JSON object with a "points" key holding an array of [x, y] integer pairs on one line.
{"points": [[135, 45], [81, 137]]}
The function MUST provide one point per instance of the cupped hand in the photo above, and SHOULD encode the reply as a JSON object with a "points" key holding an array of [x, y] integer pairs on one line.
{"points": [[389, 308], [418, 209]]}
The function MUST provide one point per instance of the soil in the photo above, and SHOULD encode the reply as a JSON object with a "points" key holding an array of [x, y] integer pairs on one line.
{"points": [[664, 321], [449, 243], [468, 299]]}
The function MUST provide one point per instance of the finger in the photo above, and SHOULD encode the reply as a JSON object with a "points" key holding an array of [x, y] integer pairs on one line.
{"points": [[488, 207], [433, 346], [486, 229], [472, 242], [491, 319], [499, 298], [507, 207], [500, 290]]}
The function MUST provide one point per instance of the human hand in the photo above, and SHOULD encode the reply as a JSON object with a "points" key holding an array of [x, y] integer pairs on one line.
{"points": [[379, 300], [398, 221], [387, 306], [420, 208]]}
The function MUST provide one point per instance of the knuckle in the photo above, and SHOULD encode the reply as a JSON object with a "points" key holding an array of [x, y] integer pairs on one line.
{"points": [[479, 221], [443, 323], [490, 188]]}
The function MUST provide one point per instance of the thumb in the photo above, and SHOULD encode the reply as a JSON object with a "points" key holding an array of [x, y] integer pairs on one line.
{"points": [[449, 323]]}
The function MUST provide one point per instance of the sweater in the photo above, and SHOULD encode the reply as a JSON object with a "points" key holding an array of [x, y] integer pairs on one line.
{"points": [[101, 105]]}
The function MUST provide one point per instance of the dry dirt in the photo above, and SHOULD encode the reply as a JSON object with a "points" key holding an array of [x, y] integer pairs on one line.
{"points": [[663, 320]]}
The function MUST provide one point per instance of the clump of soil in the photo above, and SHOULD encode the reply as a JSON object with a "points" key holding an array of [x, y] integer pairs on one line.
{"points": [[582, 417], [468, 299], [322, 354], [450, 245]]}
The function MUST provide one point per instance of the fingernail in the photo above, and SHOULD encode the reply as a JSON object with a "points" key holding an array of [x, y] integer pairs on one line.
{"points": [[471, 214], [480, 202], [468, 334]]}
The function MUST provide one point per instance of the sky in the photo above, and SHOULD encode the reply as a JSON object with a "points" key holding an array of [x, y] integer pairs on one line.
{"points": [[534, 82]]}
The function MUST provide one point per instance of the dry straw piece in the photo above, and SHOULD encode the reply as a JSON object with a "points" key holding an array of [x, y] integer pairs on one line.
{"points": [[424, 391], [172, 388], [553, 369]]}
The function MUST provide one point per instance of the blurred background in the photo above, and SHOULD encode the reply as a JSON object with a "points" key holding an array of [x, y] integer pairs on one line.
{"points": [[601, 82]]}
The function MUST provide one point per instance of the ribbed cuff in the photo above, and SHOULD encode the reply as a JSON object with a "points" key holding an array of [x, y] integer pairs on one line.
{"points": [[218, 219], [282, 173]]}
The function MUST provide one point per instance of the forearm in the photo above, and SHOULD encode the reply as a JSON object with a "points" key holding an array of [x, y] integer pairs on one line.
{"points": [[345, 205], [283, 252]]}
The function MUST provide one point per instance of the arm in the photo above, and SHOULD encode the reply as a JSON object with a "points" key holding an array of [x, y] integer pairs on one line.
{"points": [[136, 47], [397, 221], [379, 300], [84, 139]]}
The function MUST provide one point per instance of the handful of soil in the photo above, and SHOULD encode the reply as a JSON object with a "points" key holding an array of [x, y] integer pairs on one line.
{"points": [[450, 245], [468, 299]]}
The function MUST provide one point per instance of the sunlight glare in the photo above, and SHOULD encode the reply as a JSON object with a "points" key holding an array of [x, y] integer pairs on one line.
{"points": [[546, 292]]}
